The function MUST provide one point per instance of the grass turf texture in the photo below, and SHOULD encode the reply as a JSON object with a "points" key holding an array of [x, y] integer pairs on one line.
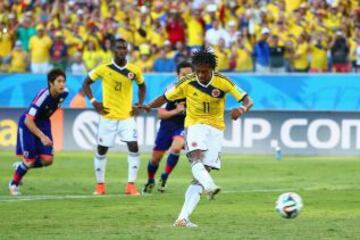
{"points": [[57, 201]]}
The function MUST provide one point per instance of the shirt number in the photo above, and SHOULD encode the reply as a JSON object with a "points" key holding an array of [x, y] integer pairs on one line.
{"points": [[206, 107]]}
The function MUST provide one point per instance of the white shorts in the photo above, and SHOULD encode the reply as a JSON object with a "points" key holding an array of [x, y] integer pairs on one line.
{"points": [[206, 138], [109, 129]]}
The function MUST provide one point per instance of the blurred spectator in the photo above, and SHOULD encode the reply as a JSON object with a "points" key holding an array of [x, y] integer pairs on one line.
{"points": [[175, 27], [339, 49], [78, 66], [223, 56], [91, 55], [58, 52], [300, 58], [25, 32], [6, 42], [170, 53], [182, 54], [262, 52], [195, 29], [164, 64], [214, 34], [157, 35], [106, 53], [145, 62], [277, 52], [39, 47], [318, 50], [18, 59], [357, 55], [241, 55]]}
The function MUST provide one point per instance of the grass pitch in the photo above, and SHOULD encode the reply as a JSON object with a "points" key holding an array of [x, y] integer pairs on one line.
{"points": [[57, 201]]}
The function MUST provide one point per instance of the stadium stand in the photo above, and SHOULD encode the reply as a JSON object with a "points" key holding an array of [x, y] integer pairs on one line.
{"points": [[308, 36]]}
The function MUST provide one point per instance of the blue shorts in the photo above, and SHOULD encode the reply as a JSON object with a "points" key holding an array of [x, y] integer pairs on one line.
{"points": [[30, 146], [165, 137]]}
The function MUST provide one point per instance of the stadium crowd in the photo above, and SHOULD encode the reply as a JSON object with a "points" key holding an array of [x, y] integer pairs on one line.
{"points": [[246, 35]]}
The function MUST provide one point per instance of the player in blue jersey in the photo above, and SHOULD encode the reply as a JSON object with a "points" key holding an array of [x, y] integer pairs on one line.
{"points": [[170, 135], [34, 139]]}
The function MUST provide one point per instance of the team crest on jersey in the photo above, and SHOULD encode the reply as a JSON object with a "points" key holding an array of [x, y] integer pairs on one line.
{"points": [[131, 75], [215, 93], [194, 144]]}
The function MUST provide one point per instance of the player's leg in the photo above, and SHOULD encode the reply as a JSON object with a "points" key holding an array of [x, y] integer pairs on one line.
{"points": [[25, 147], [152, 168], [211, 158], [192, 198], [128, 134], [197, 140], [162, 143], [106, 137], [173, 158]]}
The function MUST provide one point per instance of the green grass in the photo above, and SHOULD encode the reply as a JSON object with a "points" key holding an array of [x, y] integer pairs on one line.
{"points": [[244, 210]]}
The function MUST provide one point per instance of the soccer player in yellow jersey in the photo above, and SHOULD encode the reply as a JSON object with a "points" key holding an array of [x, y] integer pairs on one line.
{"points": [[204, 91], [116, 112]]}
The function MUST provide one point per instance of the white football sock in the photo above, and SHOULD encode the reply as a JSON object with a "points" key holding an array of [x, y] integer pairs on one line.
{"points": [[133, 166], [192, 198], [202, 175], [100, 167]]}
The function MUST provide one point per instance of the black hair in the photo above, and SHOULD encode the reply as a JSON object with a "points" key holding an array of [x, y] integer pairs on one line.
{"points": [[120, 40], [53, 74], [204, 56], [184, 64]]}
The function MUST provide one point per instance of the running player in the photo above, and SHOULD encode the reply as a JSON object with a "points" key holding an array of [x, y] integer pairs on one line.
{"points": [[34, 139], [170, 135], [205, 92], [117, 113]]}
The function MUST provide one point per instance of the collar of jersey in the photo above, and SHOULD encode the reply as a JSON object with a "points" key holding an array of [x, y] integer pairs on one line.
{"points": [[117, 66], [203, 85]]}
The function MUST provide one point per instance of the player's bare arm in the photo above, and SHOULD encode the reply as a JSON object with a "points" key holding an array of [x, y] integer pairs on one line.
{"points": [[165, 114], [156, 103], [247, 103], [30, 124], [87, 90], [141, 97]]}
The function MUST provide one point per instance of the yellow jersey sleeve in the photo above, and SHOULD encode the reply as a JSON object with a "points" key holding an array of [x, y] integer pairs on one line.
{"points": [[237, 92], [176, 92], [139, 77], [96, 73]]}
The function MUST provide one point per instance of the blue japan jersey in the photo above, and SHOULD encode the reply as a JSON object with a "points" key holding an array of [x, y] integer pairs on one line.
{"points": [[42, 107], [170, 128]]}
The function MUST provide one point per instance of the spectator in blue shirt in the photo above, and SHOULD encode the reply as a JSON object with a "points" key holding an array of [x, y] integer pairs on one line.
{"points": [[164, 64], [262, 52]]}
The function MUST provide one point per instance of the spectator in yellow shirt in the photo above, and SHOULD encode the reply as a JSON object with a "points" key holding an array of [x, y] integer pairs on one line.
{"points": [[241, 54], [318, 50], [301, 63], [91, 55], [18, 59], [40, 45]]}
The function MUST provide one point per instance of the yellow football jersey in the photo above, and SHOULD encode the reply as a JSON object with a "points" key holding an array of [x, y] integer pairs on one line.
{"points": [[205, 104], [117, 87]]}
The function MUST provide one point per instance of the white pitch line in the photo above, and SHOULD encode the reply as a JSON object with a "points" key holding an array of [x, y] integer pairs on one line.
{"points": [[75, 197]]}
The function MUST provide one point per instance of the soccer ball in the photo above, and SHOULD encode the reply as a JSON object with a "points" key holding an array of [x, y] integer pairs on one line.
{"points": [[289, 205]]}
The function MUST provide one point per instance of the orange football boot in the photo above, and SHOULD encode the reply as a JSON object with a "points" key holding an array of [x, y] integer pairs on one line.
{"points": [[100, 189], [131, 189]]}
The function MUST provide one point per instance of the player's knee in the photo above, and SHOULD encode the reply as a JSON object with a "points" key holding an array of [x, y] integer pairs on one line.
{"points": [[101, 150], [195, 156], [133, 147], [176, 149], [47, 160]]}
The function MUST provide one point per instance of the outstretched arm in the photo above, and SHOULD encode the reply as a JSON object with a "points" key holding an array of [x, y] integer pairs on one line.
{"points": [[247, 103], [157, 102]]}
